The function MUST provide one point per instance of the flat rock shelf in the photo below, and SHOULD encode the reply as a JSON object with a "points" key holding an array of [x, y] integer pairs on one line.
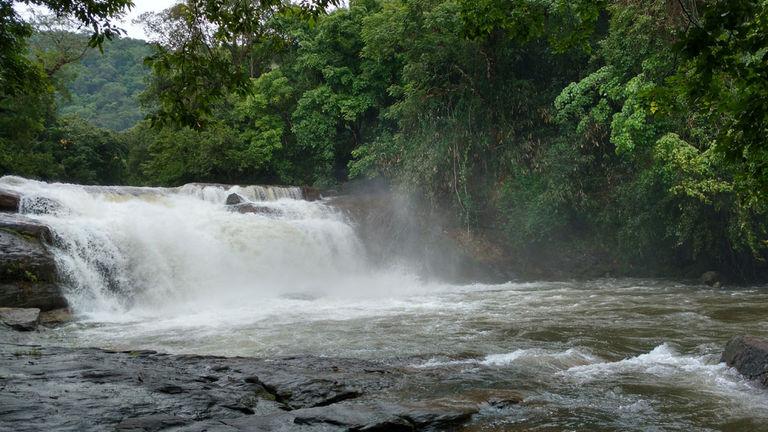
{"points": [[50, 388]]}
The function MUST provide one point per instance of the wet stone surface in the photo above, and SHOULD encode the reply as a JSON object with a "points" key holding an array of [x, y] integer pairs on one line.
{"points": [[54, 388]]}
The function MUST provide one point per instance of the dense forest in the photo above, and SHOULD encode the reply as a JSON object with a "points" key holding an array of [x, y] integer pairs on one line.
{"points": [[629, 130], [105, 86]]}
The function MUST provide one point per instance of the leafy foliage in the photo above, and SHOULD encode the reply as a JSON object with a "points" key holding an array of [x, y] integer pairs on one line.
{"points": [[629, 131], [106, 86]]}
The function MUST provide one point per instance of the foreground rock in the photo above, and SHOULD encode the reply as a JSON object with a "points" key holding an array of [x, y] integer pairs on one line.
{"points": [[749, 355], [20, 319], [48, 388], [27, 268]]}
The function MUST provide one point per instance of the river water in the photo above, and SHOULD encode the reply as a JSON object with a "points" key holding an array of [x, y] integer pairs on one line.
{"points": [[175, 271]]}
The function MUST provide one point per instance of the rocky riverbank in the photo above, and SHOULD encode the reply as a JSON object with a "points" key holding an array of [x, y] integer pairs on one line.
{"points": [[55, 388]]}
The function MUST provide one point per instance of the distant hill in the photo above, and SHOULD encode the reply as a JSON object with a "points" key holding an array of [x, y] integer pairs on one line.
{"points": [[106, 88]]}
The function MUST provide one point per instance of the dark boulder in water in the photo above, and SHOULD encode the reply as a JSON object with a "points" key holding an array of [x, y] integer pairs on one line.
{"points": [[711, 278], [24, 319], [245, 208], [749, 355], [9, 200], [234, 199], [235, 202]]}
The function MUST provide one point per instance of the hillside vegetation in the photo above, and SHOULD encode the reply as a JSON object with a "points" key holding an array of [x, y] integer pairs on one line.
{"points": [[615, 136]]}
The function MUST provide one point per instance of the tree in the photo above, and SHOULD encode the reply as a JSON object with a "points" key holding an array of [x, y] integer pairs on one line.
{"points": [[727, 73], [207, 49]]}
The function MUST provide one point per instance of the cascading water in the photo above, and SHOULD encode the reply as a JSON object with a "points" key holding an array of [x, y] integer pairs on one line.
{"points": [[166, 250]]}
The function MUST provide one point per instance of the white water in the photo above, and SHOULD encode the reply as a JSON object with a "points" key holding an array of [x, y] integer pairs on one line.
{"points": [[174, 270], [126, 252]]}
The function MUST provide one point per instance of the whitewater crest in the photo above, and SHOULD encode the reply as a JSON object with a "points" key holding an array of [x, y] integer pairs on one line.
{"points": [[148, 249]]}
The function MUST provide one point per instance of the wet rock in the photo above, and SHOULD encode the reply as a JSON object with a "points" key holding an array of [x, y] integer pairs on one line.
{"points": [[356, 417], [21, 224], [255, 208], [23, 319], [170, 389], [494, 398], [56, 317], [42, 295], [237, 203], [149, 391], [438, 415], [151, 423], [749, 355], [234, 199], [310, 193], [9, 201], [299, 392], [425, 415], [711, 278], [27, 268], [22, 253]]}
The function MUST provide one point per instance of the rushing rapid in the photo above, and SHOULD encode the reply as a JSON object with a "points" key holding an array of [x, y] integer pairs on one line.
{"points": [[177, 270]]}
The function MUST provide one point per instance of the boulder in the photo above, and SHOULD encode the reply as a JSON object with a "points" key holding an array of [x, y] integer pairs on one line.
{"points": [[234, 199], [27, 268], [9, 201], [24, 259], [256, 209], [24, 319], [711, 278], [24, 225], [749, 355]]}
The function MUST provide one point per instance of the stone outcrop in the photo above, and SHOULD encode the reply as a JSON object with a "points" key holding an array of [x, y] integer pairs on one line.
{"points": [[27, 268], [149, 391], [234, 199], [245, 208], [749, 356], [19, 318], [9, 201], [237, 203]]}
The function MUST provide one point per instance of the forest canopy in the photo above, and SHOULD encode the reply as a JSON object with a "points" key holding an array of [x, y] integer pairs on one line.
{"points": [[632, 129]]}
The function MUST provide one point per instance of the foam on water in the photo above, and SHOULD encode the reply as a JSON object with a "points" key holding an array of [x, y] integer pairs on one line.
{"points": [[667, 366], [543, 358]]}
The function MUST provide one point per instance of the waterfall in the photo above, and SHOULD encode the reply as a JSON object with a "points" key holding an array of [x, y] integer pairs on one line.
{"points": [[123, 249]]}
